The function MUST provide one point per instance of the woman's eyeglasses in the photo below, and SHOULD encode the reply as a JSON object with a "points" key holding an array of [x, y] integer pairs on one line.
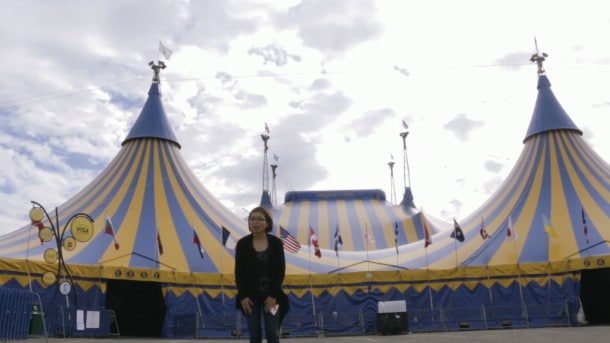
{"points": [[257, 219]]}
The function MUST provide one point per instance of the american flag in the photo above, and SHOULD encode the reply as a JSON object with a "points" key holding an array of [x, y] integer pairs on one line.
{"points": [[290, 243]]}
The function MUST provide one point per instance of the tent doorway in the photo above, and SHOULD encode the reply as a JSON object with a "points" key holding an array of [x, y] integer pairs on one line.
{"points": [[594, 286], [138, 306]]}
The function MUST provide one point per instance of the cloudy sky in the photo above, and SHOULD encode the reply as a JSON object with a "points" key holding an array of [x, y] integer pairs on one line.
{"points": [[333, 80]]}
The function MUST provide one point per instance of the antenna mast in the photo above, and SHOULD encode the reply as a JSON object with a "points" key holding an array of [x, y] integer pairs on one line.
{"points": [[406, 172], [265, 137], [392, 186], [273, 188]]}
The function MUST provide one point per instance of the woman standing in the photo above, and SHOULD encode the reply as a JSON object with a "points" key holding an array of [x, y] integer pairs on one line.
{"points": [[259, 273]]}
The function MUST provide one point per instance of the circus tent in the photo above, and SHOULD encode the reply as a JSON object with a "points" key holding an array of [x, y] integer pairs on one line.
{"points": [[170, 239]]}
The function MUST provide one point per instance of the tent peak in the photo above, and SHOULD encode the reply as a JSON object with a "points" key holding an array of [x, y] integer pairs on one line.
{"points": [[152, 121], [548, 113]]}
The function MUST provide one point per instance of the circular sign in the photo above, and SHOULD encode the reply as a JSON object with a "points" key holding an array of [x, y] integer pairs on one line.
{"points": [[36, 214], [45, 234], [50, 255], [64, 288], [69, 243], [82, 229], [48, 278]]}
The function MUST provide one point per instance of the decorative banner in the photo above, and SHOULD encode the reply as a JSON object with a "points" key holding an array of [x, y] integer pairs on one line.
{"points": [[82, 229], [45, 234], [69, 243], [49, 278], [50, 255], [36, 214]]}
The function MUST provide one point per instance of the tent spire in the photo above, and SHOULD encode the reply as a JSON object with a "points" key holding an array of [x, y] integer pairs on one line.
{"points": [[152, 121], [548, 113]]}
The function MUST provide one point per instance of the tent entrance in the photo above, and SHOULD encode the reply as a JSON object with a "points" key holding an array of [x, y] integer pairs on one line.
{"points": [[138, 306], [594, 286]]}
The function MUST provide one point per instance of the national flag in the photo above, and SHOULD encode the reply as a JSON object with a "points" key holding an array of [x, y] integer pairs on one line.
{"points": [[585, 229], [40, 226], [266, 128], [338, 240], [227, 240], [313, 241], [290, 243], [548, 227], [427, 238], [457, 232], [276, 157], [159, 245], [404, 124], [483, 232], [165, 51], [197, 242], [511, 233], [396, 236], [110, 231]]}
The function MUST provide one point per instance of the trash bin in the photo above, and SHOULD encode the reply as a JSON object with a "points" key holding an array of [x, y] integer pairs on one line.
{"points": [[36, 325]]}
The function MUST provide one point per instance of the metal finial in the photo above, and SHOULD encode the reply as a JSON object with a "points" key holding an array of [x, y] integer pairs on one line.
{"points": [[539, 58], [156, 68]]}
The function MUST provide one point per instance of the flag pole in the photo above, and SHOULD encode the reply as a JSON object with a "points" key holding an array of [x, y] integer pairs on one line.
{"points": [[313, 304]]}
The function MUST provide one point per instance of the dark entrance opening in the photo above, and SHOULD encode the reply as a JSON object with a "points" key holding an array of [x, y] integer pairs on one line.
{"points": [[138, 306], [594, 294]]}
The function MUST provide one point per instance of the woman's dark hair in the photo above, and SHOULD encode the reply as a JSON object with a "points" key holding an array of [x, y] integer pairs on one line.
{"points": [[266, 214]]}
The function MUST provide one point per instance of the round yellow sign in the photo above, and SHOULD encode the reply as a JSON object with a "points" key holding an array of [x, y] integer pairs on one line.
{"points": [[36, 214], [82, 229], [69, 243], [50, 255], [49, 278], [45, 234]]}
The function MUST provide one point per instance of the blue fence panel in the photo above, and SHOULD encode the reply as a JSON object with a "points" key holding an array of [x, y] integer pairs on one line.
{"points": [[15, 313]]}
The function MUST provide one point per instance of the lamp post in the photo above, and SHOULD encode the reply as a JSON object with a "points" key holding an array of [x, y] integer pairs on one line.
{"points": [[81, 230]]}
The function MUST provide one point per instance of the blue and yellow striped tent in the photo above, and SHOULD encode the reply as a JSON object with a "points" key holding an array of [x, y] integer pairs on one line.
{"points": [[160, 210]]}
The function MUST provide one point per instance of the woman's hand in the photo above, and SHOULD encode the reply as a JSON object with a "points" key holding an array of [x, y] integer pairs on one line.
{"points": [[246, 305], [269, 304]]}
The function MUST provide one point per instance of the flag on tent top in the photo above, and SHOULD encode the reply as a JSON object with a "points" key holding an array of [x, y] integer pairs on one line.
{"points": [[313, 241], [585, 229], [396, 236], [110, 231], [197, 242], [457, 232], [227, 240], [427, 238], [338, 240], [159, 245], [266, 128], [548, 227], [165, 51], [483, 232], [511, 233], [290, 243], [404, 124]]}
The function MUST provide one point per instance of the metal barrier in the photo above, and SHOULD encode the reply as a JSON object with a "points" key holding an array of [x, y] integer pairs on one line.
{"points": [[15, 313], [190, 325]]}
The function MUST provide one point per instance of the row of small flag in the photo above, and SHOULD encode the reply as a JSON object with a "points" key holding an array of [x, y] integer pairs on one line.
{"points": [[293, 246]]}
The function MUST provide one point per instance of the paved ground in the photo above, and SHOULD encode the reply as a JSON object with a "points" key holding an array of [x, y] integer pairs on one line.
{"points": [[588, 334]]}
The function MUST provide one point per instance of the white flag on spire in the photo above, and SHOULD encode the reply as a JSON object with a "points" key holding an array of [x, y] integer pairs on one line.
{"points": [[165, 51]]}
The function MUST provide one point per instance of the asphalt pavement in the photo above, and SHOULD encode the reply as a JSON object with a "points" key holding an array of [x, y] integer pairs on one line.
{"points": [[589, 334]]}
